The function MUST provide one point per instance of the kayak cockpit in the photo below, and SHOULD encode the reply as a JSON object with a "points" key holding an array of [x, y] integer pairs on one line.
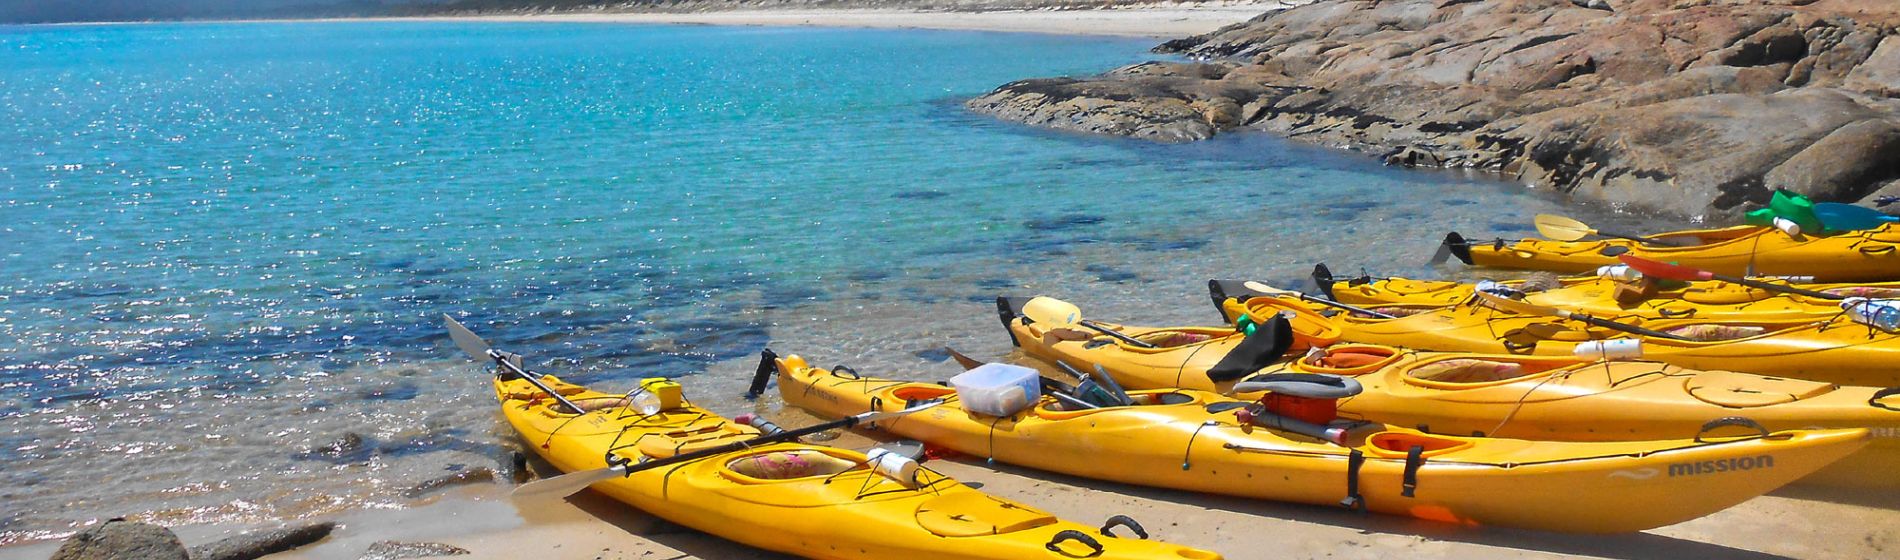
{"points": [[782, 465]]}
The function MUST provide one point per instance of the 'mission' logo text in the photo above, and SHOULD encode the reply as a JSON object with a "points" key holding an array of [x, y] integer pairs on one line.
{"points": [[1723, 465]]}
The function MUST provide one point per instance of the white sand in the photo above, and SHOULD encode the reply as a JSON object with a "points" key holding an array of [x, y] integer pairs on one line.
{"points": [[1159, 21]]}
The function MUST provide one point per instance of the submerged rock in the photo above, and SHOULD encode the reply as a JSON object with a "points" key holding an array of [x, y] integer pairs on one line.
{"points": [[477, 475], [261, 543], [118, 539], [1691, 106], [392, 550]]}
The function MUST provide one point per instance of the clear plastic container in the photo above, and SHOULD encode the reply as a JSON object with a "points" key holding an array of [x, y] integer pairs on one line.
{"points": [[997, 389]]}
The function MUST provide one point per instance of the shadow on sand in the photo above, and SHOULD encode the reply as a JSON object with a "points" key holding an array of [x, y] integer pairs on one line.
{"points": [[1634, 546]]}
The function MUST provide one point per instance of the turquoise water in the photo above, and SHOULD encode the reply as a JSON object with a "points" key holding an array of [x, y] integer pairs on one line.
{"points": [[226, 245]]}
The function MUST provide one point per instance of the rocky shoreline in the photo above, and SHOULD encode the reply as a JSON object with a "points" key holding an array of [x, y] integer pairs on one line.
{"points": [[1694, 107]]}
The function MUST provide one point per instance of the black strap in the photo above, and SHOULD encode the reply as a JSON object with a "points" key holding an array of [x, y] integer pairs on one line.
{"points": [[1674, 313], [1874, 401], [1729, 421], [1124, 521], [1353, 500], [1414, 459], [845, 372], [1074, 535]]}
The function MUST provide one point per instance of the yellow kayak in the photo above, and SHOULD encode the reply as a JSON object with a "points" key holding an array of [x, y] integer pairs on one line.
{"points": [[1531, 397], [807, 500], [1192, 440], [1859, 256], [1834, 349], [1597, 296]]}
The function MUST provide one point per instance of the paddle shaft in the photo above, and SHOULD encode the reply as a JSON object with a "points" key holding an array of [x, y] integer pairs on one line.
{"points": [[1773, 287], [1118, 335], [786, 435], [1615, 326], [1352, 308], [509, 365]]}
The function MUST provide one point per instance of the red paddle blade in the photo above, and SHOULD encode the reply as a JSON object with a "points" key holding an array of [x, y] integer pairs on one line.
{"points": [[1666, 271]]}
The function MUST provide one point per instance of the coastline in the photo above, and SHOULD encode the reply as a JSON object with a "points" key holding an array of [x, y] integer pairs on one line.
{"points": [[480, 519], [1156, 21]]}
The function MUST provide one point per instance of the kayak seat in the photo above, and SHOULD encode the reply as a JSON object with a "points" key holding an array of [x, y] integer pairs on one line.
{"points": [[1171, 339], [1467, 370], [1352, 358], [786, 465], [590, 405], [1714, 332]]}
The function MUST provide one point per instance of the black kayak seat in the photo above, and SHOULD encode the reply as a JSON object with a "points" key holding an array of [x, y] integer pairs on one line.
{"points": [[1308, 385], [1269, 341]]}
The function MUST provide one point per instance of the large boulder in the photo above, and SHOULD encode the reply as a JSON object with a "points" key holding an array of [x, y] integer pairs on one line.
{"points": [[118, 539], [1679, 105]]}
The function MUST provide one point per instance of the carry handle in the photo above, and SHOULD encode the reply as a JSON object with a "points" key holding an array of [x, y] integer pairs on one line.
{"points": [[1055, 544], [1874, 401], [1124, 521], [1729, 421]]}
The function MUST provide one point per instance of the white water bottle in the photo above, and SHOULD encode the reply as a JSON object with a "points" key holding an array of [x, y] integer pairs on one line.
{"points": [[898, 468], [1618, 349], [1883, 314], [1619, 272], [1788, 226]]}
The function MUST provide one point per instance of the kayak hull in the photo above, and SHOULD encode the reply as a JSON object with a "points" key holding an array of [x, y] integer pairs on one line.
{"points": [[852, 513], [1860, 256], [1553, 398], [1556, 486]]}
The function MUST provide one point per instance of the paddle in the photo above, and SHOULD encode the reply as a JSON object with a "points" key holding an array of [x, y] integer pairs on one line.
{"points": [[479, 350], [1270, 290], [1566, 229], [1057, 313], [570, 483], [1847, 217], [1678, 272], [1526, 308]]}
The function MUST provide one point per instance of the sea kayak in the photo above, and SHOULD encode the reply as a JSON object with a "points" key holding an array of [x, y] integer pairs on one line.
{"points": [[1834, 349], [1193, 440], [807, 500], [1530, 397], [1597, 296], [1859, 256]]}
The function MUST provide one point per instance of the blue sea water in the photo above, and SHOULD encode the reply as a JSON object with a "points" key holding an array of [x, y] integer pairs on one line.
{"points": [[223, 245]]}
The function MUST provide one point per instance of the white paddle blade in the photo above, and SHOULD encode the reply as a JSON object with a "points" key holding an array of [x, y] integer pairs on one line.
{"points": [[466, 339], [565, 485], [1561, 228], [1051, 311], [1265, 289]]}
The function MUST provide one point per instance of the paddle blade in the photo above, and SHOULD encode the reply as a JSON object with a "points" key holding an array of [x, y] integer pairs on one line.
{"points": [[1561, 228], [1663, 270], [967, 362], [564, 485], [1051, 311], [1847, 217], [466, 339], [1261, 287]]}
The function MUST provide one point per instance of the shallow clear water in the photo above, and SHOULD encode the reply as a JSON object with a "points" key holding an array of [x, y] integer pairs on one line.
{"points": [[227, 245]]}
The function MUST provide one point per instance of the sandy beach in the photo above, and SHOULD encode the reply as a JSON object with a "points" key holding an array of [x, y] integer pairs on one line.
{"points": [[1792, 523], [1150, 20]]}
